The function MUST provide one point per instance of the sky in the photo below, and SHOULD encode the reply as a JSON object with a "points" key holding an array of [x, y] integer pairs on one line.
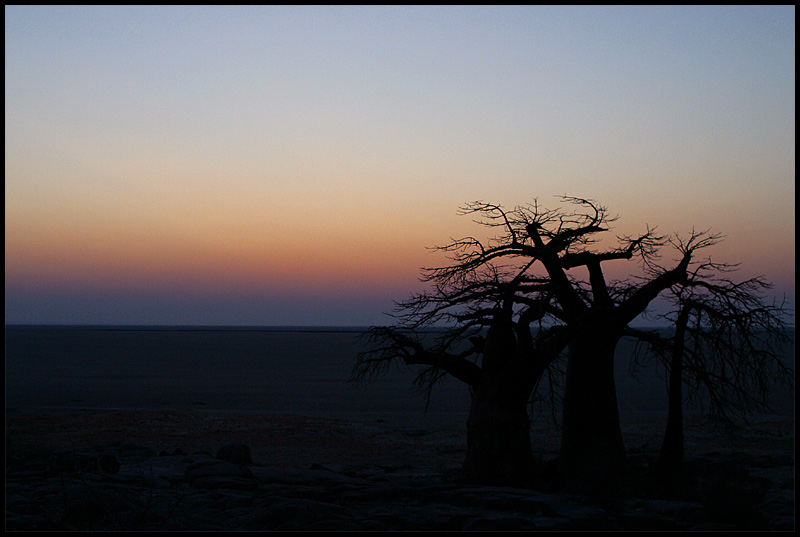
{"points": [[246, 165]]}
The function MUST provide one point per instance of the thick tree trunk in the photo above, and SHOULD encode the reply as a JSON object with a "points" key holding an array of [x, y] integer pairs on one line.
{"points": [[592, 451], [498, 440], [498, 427]]}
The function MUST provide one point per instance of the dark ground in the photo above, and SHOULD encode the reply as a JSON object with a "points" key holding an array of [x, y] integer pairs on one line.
{"points": [[376, 477]]}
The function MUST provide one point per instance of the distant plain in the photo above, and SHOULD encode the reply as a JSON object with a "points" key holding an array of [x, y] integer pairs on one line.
{"points": [[281, 370]]}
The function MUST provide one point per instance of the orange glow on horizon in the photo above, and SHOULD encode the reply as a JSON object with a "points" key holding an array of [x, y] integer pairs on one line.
{"points": [[104, 260]]}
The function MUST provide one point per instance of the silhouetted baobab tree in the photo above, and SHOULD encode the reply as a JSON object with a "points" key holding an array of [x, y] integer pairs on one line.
{"points": [[491, 348], [496, 290], [726, 346], [597, 313]]}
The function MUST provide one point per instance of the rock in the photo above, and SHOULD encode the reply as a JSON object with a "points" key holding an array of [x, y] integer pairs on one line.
{"points": [[225, 482], [297, 514], [714, 526], [297, 476], [108, 463], [637, 521], [501, 523], [80, 491], [220, 474], [176, 451], [236, 453], [136, 452], [728, 492], [86, 461], [782, 523]]}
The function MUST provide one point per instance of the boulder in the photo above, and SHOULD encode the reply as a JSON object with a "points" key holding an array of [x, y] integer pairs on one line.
{"points": [[235, 453]]}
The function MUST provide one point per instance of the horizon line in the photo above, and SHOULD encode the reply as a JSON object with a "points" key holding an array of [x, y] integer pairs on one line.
{"points": [[239, 327]]}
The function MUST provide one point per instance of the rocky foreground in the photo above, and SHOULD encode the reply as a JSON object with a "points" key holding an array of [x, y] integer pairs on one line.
{"points": [[127, 486]]}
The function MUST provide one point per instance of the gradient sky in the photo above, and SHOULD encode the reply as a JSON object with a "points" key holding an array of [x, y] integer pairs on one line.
{"points": [[290, 165]]}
